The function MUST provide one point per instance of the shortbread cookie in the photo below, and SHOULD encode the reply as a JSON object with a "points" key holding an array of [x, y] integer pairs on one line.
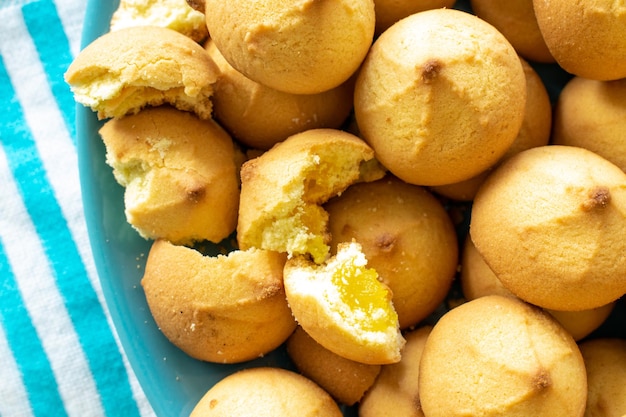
{"points": [[283, 189], [302, 47], [517, 22], [478, 280], [440, 97], [396, 390], [605, 361], [344, 307], [180, 174], [124, 71], [535, 131], [225, 309], [550, 222], [259, 116], [407, 237], [591, 114], [266, 392], [586, 38], [389, 12], [496, 356]]}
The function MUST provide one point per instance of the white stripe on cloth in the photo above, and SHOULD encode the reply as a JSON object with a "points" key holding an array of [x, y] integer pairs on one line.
{"points": [[13, 394], [54, 145], [72, 13], [44, 302], [53, 141]]}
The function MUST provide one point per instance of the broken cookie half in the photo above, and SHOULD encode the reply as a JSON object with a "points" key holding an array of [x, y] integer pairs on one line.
{"points": [[124, 71], [179, 172], [283, 189], [344, 306]]}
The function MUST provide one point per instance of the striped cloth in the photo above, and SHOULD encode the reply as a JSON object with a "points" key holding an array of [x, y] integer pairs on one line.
{"points": [[59, 355]]}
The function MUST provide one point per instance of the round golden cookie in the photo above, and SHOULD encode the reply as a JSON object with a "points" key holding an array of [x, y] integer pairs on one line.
{"points": [[478, 280], [517, 22], [535, 131], [283, 189], [124, 71], [407, 237], [224, 309], [343, 379], [591, 114], [177, 15], [303, 47], [266, 392], [395, 392], [260, 116], [179, 172], [344, 307], [464, 190], [605, 360], [389, 12], [581, 324], [586, 38], [550, 222], [496, 356], [423, 102]]}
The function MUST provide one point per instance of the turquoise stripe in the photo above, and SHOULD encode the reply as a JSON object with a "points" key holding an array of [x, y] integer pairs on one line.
{"points": [[26, 347], [53, 47], [94, 334]]}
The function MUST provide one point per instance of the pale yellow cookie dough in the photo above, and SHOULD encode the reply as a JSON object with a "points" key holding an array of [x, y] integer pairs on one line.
{"points": [[283, 190], [124, 71], [177, 15]]}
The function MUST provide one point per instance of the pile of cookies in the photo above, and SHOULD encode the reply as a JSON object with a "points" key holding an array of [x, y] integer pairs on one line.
{"points": [[335, 144]]}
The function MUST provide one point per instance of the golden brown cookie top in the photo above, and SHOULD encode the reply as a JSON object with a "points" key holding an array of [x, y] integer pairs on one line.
{"points": [[440, 97], [301, 47], [179, 171], [550, 223]]}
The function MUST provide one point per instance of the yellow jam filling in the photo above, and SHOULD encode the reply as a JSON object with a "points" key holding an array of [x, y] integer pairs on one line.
{"points": [[365, 296]]}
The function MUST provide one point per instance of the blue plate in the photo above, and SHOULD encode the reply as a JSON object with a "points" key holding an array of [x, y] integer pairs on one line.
{"points": [[172, 381]]}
